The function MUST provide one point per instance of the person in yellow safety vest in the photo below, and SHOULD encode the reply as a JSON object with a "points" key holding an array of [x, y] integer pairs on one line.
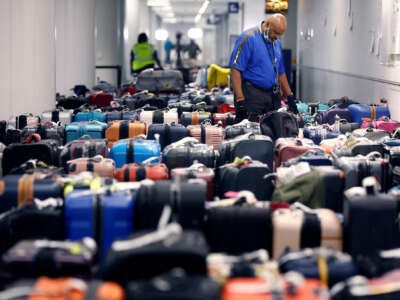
{"points": [[143, 55]]}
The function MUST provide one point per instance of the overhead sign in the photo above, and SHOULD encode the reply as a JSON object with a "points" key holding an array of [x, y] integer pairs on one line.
{"points": [[214, 20], [233, 7]]}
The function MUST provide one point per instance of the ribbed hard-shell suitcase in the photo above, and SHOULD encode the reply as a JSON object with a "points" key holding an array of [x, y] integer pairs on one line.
{"points": [[90, 116], [194, 118], [168, 134], [360, 111], [120, 130], [207, 134], [141, 171], [104, 217], [134, 150], [96, 130], [104, 167], [62, 116], [159, 117], [53, 131]]}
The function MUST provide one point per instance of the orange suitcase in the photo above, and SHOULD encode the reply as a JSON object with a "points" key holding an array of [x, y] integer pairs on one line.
{"points": [[123, 130]]}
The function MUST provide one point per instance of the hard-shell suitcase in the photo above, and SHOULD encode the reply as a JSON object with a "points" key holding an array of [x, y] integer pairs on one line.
{"points": [[17, 154], [318, 133], [30, 130], [62, 116], [104, 167], [371, 134], [96, 130], [134, 150], [16, 190], [141, 171], [21, 121], [184, 153], [90, 116], [247, 176], [53, 131], [257, 147], [84, 147], [34, 258], [207, 134], [121, 115], [328, 116], [165, 81], [354, 146], [194, 118], [168, 134], [277, 124], [296, 229], [224, 119], [104, 217], [287, 148], [187, 201], [242, 128], [159, 117], [360, 111], [198, 171], [313, 158], [123, 130]]}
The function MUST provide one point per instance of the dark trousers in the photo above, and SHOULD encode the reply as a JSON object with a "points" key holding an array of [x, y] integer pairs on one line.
{"points": [[258, 102]]}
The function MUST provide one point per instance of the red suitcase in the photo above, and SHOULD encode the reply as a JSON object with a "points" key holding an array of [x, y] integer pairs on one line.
{"points": [[141, 171], [224, 119]]}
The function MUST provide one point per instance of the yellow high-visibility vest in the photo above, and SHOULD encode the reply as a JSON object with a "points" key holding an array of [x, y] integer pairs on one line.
{"points": [[143, 55]]}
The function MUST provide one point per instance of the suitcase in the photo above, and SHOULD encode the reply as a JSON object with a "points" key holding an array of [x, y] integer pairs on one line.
{"points": [[134, 150], [21, 121], [354, 146], [313, 158], [84, 147], [383, 123], [141, 171], [124, 130], [16, 154], [164, 81], [187, 201], [287, 148], [247, 176], [371, 134], [100, 99], [34, 258], [180, 287], [30, 130], [309, 262], [207, 134], [343, 102], [121, 115], [255, 146], [360, 111], [55, 116], [296, 229], [17, 190], [194, 118], [104, 167], [90, 116], [74, 131], [329, 145], [302, 107], [318, 133], [149, 254], [72, 102], [328, 116], [224, 119], [316, 107], [345, 126], [184, 153], [277, 124], [241, 128], [168, 134], [104, 217], [53, 131], [159, 117], [198, 171]]}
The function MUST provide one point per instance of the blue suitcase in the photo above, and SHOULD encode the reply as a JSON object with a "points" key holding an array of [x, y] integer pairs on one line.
{"points": [[134, 150], [90, 116], [104, 217], [96, 130], [360, 111], [317, 134], [121, 115]]}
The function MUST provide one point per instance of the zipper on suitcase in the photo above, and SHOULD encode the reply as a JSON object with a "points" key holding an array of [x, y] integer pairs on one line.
{"points": [[97, 220]]}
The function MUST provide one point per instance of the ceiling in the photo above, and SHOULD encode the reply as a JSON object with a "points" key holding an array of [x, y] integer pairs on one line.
{"points": [[174, 11]]}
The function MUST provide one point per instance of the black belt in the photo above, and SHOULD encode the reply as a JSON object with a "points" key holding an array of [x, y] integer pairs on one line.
{"points": [[257, 87]]}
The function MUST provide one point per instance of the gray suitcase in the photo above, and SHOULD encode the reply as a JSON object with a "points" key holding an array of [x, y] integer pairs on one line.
{"points": [[165, 81], [62, 116]]}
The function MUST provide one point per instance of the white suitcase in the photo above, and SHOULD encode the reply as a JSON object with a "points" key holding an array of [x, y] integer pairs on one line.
{"points": [[159, 117], [18, 122], [63, 116]]}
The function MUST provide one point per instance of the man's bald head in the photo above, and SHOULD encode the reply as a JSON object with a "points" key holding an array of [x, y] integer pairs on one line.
{"points": [[275, 25]]}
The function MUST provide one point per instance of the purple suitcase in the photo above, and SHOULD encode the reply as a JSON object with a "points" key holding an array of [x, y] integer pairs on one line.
{"points": [[328, 116]]}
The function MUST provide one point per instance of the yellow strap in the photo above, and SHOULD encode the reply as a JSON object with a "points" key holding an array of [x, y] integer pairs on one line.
{"points": [[373, 112], [323, 270]]}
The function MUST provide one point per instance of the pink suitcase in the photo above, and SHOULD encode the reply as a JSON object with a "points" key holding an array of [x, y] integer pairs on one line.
{"points": [[104, 167]]}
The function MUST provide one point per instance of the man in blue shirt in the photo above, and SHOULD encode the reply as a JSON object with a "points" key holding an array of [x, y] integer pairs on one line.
{"points": [[257, 71]]}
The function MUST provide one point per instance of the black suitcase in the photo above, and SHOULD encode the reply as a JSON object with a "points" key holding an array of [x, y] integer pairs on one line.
{"points": [[241, 128], [71, 102], [11, 136], [257, 147], [194, 118], [277, 124], [187, 200], [167, 133], [164, 81], [17, 154], [53, 131]]}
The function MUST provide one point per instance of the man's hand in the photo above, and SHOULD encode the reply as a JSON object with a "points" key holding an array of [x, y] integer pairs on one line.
{"points": [[292, 104], [241, 105]]}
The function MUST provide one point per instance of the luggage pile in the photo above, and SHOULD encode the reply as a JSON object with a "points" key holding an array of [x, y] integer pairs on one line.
{"points": [[160, 194]]}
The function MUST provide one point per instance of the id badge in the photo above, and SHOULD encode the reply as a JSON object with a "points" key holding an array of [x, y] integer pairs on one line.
{"points": [[276, 89]]}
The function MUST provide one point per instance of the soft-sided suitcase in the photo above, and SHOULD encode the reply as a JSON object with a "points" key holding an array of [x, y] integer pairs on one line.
{"points": [[90, 116], [167, 134], [165, 81], [383, 123], [194, 118], [104, 167], [372, 134], [159, 117], [224, 119], [360, 111], [134, 150], [296, 229], [21, 121], [198, 171], [100, 99], [242, 128], [149, 254], [328, 116], [318, 133], [141, 171], [71, 102], [184, 153], [187, 201], [16, 190], [62, 116], [17, 154], [96, 130], [180, 286], [245, 176], [124, 130], [104, 217], [309, 262], [287, 148], [255, 146], [277, 124], [34, 258], [207, 134]]}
